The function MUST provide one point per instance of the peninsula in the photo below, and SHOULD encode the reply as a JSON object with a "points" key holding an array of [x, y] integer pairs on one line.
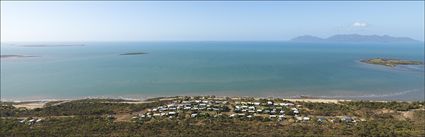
{"points": [[391, 62], [15, 56]]}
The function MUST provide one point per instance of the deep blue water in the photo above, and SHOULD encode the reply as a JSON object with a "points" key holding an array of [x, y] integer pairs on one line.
{"points": [[278, 69]]}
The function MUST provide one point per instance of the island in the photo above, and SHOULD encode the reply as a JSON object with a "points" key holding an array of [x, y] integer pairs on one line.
{"points": [[354, 38], [134, 53], [15, 56], [212, 116], [391, 62]]}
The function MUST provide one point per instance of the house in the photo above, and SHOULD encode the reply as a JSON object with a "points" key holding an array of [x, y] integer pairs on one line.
{"points": [[269, 103], [257, 103], [282, 112], [259, 110], [281, 116], [249, 116], [306, 118], [172, 113], [185, 102], [295, 110], [272, 116], [232, 115]]}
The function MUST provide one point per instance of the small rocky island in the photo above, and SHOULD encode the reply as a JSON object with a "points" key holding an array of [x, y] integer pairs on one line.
{"points": [[134, 53], [15, 56], [391, 62]]}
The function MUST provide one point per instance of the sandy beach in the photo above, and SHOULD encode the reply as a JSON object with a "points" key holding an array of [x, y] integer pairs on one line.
{"points": [[318, 100], [31, 105], [40, 104]]}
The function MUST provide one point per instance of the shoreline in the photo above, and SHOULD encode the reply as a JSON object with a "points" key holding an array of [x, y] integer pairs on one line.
{"points": [[395, 96], [33, 104]]}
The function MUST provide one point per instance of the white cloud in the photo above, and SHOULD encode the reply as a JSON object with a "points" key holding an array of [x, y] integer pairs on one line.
{"points": [[359, 24]]}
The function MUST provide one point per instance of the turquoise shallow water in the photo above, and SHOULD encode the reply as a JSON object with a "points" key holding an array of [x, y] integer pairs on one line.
{"points": [[278, 69]]}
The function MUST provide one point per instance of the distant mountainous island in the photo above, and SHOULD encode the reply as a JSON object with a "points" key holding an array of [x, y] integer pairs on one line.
{"points": [[355, 38]]}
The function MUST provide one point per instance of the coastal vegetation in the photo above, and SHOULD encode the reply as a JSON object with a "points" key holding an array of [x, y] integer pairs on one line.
{"points": [[111, 117], [391, 62]]}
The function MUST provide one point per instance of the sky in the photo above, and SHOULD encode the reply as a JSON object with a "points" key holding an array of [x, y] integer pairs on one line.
{"points": [[206, 20]]}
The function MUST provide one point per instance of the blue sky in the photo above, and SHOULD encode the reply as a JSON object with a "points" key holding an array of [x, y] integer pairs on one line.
{"points": [[203, 20]]}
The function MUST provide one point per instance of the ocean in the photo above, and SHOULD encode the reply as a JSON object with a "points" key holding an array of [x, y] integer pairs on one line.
{"points": [[260, 69]]}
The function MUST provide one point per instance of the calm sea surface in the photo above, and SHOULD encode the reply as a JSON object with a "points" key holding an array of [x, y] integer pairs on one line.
{"points": [[278, 69]]}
